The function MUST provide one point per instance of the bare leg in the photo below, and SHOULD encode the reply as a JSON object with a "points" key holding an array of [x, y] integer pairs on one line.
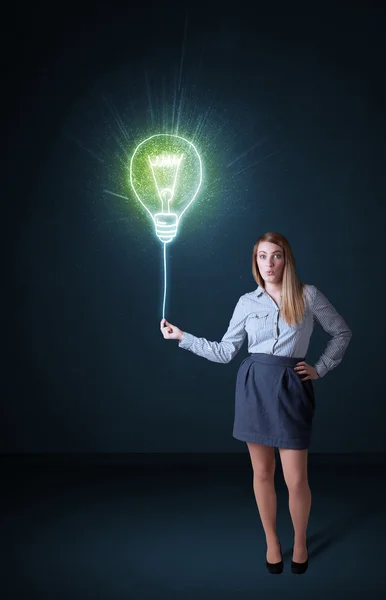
{"points": [[294, 464], [263, 463]]}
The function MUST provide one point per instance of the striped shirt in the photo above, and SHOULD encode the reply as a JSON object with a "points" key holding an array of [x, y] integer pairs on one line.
{"points": [[257, 316]]}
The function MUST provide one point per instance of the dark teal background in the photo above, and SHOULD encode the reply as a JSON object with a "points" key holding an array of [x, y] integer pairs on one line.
{"points": [[293, 141]]}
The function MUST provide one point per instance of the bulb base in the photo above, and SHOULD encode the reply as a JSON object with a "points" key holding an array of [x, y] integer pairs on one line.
{"points": [[166, 225]]}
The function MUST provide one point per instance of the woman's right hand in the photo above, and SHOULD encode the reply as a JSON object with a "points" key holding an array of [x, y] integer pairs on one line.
{"points": [[169, 331]]}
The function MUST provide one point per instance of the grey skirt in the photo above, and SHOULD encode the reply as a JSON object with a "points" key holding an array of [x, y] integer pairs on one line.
{"points": [[273, 406]]}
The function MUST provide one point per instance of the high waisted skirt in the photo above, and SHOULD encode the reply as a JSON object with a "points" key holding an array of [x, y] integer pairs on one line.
{"points": [[273, 406]]}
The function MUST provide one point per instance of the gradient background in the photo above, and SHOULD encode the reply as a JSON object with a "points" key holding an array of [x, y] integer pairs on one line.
{"points": [[288, 109]]}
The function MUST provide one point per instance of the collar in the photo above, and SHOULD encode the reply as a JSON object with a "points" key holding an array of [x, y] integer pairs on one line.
{"points": [[260, 290]]}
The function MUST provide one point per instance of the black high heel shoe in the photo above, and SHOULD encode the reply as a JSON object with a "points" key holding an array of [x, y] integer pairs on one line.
{"points": [[275, 568], [299, 568]]}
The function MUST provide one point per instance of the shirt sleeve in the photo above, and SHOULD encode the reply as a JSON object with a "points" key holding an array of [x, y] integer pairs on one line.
{"points": [[228, 347], [332, 322]]}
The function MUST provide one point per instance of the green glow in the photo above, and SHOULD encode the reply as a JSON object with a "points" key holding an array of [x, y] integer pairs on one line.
{"points": [[166, 174]]}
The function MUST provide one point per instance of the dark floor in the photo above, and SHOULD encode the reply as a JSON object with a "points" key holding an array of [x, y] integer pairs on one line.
{"points": [[191, 531]]}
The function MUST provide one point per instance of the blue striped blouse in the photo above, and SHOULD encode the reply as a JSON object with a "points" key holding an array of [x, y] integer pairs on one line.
{"points": [[257, 316]]}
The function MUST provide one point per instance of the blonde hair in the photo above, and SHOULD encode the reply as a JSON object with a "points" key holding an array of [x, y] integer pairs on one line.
{"points": [[293, 304]]}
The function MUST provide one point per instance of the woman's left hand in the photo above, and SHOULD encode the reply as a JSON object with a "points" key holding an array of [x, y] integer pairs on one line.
{"points": [[304, 368]]}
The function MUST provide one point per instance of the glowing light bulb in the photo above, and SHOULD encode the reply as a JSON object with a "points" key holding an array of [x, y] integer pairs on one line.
{"points": [[166, 174]]}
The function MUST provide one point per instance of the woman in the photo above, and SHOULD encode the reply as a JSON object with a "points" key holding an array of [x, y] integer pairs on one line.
{"points": [[275, 402]]}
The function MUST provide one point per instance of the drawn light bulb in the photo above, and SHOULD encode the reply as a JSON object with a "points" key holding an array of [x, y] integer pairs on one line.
{"points": [[166, 174]]}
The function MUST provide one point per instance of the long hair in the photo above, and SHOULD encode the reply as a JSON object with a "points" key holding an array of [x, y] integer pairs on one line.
{"points": [[293, 304]]}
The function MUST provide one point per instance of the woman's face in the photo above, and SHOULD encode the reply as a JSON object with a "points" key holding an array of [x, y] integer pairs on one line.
{"points": [[270, 257]]}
